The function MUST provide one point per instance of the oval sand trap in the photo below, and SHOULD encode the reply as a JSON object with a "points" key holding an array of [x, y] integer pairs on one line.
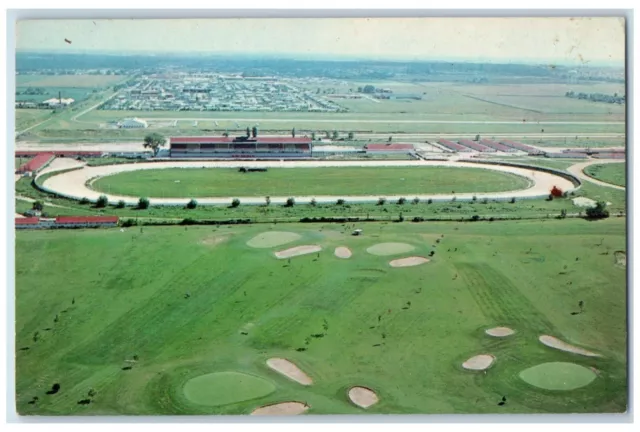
{"points": [[343, 252], [290, 370], [282, 409], [363, 397], [409, 261], [556, 343], [272, 239], [479, 362], [222, 388], [558, 376], [383, 249], [499, 331], [298, 250]]}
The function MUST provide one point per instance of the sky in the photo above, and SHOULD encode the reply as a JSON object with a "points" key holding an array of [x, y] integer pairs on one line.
{"points": [[557, 40]]}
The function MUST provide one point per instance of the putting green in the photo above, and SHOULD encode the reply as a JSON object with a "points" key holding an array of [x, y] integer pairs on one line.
{"points": [[383, 249], [223, 388], [558, 376], [272, 239]]}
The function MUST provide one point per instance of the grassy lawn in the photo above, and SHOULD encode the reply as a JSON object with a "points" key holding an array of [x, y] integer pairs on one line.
{"points": [[610, 173], [83, 314], [28, 117], [306, 181]]}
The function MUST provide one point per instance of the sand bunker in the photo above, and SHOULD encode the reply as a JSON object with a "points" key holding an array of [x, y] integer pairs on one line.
{"points": [[558, 376], [343, 252], [556, 343], [290, 370], [479, 362], [298, 250], [383, 249], [409, 261], [272, 239], [583, 202], [282, 409], [363, 397], [621, 258], [499, 331]]}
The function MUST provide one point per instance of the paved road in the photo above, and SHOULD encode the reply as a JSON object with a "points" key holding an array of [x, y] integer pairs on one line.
{"points": [[72, 184], [578, 171], [365, 120]]}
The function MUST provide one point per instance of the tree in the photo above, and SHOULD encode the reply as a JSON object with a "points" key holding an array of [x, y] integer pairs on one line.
{"points": [[563, 214], [512, 200], [102, 201], [327, 134], [429, 201], [335, 134], [340, 202], [556, 192], [154, 141], [369, 89], [267, 200], [416, 200], [477, 137], [359, 89], [381, 201], [290, 202], [37, 205], [143, 203], [254, 131], [351, 136], [390, 139], [313, 136], [248, 132], [120, 204], [313, 202], [192, 204], [225, 134], [235, 203], [402, 200], [599, 211], [293, 132], [84, 200]]}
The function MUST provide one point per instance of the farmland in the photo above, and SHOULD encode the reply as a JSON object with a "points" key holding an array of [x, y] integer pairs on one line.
{"points": [[175, 182], [135, 354], [86, 81]]}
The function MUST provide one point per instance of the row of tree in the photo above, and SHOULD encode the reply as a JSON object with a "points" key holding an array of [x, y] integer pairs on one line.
{"points": [[597, 97]]}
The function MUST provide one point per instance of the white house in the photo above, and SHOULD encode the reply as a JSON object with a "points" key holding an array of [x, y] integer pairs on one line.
{"points": [[55, 102]]}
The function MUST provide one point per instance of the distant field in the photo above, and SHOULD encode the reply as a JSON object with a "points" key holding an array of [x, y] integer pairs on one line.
{"points": [[614, 173], [76, 93], [94, 81], [175, 182], [28, 117]]}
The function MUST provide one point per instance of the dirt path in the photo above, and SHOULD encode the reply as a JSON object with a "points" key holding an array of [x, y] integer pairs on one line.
{"points": [[578, 171], [72, 184]]}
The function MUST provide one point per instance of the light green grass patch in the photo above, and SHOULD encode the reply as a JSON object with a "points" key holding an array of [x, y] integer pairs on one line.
{"points": [[273, 239], [614, 173], [384, 249], [558, 376], [223, 388]]}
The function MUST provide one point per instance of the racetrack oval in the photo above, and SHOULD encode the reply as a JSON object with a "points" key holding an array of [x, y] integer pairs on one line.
{"points": [[73, 184]]}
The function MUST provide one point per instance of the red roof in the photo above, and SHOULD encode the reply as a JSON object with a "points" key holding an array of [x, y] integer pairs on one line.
{"points": [[378, 147], [224, 140], [86, 219], [37, 162], [27, 221]]}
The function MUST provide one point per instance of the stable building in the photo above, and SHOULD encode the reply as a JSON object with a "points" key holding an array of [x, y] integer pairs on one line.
{"points": [[133, 123]]}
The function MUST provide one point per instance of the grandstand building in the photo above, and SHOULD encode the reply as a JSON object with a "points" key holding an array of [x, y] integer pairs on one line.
{"points": [[240, 147]]}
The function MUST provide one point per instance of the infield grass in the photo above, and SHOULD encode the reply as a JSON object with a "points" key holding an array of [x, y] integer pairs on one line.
{"points": [[175, 182], [614, 173]]}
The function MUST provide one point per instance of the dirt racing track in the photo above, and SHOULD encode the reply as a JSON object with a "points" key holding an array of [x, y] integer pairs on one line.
{"points": [[73, 184]]}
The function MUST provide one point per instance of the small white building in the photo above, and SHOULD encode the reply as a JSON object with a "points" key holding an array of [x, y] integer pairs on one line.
{"points": [[55, 102], [133, 123]]}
